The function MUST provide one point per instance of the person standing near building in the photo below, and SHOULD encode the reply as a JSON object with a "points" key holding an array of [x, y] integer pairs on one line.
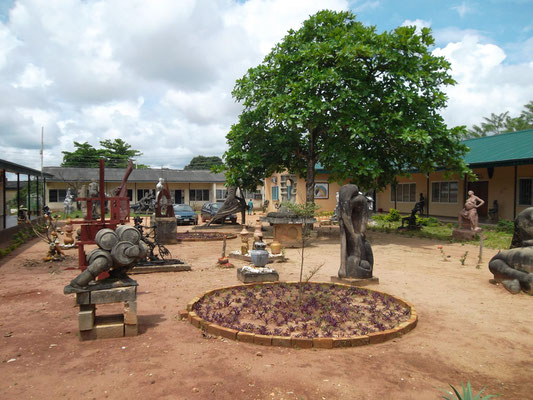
{"points": [[250, 207]]}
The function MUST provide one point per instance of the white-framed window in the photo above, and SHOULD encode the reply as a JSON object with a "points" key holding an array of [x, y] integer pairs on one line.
{"points": [[525, 191], [199, 195], [445, 192], [222, 194], [56, 195], [405, 193]]}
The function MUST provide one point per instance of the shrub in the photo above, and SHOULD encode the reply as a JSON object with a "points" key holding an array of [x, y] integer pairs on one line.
{"points": [[430, 221], [467, 394], [394, 215], [504, 225]]}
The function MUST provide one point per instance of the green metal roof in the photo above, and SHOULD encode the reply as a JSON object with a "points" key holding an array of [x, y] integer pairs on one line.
{"points": [[499, 150]]}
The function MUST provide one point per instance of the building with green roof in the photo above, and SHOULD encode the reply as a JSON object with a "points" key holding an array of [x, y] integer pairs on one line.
{"points": [[504, 168]]}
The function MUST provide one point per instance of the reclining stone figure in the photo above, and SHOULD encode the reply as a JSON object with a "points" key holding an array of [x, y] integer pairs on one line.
{"points": [[514, 267], [117, 251]]}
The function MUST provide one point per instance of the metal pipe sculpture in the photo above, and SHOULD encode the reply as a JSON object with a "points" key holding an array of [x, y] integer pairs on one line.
{"points": [[118, 250], [357, 260]]}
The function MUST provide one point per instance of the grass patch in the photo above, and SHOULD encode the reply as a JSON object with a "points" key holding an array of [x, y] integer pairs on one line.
{"points": [[495, 238]]}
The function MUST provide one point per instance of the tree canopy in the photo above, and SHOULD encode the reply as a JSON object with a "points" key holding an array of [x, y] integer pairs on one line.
{"points": [[116, 154], [362, 104], [203, 162], [503, 123]]}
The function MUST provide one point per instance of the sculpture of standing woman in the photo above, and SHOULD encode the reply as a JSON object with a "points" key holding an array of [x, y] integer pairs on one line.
{"points": [[468, 217]]}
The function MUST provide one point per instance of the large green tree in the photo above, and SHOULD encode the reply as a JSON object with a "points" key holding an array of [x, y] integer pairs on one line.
{"points": [[116, 154], [203, 162], [503, 123], [362, 104]]}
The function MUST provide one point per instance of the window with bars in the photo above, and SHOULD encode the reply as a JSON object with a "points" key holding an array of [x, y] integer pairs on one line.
{"points": [[222, 194], [199, 194], [405, 193], [444, 192], [525, 191], [56, 195]]}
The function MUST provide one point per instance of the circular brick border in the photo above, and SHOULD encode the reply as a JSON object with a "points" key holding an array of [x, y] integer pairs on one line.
{"points": [[289, 341], [211, 239]]}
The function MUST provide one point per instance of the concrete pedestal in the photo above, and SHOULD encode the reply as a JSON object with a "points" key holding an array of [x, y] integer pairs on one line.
{"points": [[92, 326], [246, 276], [289, 235], [166, 229], [356, 281], [464, 234]]}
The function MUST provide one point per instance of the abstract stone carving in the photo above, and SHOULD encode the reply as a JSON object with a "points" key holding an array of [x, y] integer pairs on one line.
{"points": [[514, 267], [357, 260], [234, 203], [117, 251]]}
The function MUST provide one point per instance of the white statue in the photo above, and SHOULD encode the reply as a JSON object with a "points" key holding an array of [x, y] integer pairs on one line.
{"points": [[67, 203]]}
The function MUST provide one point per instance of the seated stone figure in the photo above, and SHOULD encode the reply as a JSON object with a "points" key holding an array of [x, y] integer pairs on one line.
{"points": [[411, 220], [514, 267], [357, 260]]}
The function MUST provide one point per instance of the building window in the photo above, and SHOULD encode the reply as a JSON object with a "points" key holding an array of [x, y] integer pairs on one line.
{"points": [[405, 193], [275, 193], [57, 195], [222, 194], [444, 192], [199, 194], [525, 191], [142, 193], [130, 194]]}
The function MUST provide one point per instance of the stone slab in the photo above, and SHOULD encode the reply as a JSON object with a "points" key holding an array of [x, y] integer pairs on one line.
{"points": [[86, 317], [356, 282], [249, 277], [109, 326], [115, 295], [464, 234], [148, 269], [108, 283], [130, 312], [166, 230], [131, 330]]}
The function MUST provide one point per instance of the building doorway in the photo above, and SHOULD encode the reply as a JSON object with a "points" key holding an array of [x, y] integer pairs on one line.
{"points": [[481, 190], [179, 196]]}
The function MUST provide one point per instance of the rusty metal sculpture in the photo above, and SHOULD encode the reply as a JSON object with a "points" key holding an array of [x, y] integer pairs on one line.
{"points": [[234, 203]]}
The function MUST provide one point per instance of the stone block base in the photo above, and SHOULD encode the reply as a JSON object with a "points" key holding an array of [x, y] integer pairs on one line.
{"points": [[249, 277], [464, 234], [92, 326], [356, 281], [166, 229], [289, 235]]}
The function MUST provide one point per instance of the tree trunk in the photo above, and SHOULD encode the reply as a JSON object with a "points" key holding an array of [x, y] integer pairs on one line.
{"points": [[310, 177]]}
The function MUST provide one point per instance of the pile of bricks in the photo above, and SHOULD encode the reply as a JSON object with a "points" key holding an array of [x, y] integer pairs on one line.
{"points": [[92, 326]]}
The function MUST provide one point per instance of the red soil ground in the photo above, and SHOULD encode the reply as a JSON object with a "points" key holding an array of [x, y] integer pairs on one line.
{"points": [[468, 330]]}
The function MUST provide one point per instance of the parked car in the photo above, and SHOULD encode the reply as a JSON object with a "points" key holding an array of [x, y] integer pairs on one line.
{"points": [[185, 214], [210, 209]]}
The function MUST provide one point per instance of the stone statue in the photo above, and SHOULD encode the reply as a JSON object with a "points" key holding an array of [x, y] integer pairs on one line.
{"points": [[68, 206], [234, 203], [117, 251], [411, 220], [93, 193], [468, 217], [160, 186], [357, 260], [514, 267]]}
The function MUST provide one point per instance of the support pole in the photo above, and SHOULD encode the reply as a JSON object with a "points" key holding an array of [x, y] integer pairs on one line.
{"points": [[29, 196], [102, 191], [427, 196], [38, 211], [515, 190], [18, 193], [4, 206]]}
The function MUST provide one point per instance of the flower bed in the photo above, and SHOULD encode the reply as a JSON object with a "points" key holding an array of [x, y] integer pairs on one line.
{"points": [[203, 236], [318, 315]]}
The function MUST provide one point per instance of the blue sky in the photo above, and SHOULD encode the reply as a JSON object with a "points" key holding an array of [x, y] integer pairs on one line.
{"points": [[159, 73]]}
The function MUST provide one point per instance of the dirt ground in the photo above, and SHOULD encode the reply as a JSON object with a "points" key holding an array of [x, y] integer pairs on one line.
{"points": [[468, 330]]}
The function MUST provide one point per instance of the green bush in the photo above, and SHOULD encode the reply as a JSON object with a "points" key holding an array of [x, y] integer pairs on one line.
{"points": [[430, 221], [379, 217], [504, 225], [393, 216]]}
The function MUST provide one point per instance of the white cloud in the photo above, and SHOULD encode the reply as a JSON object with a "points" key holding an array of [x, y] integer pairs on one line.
{"points": [[485, 84], [419, 23], [462, 9], [32, 77]]}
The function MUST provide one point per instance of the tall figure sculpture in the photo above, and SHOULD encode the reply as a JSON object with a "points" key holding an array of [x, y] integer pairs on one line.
{"points": [[468, 217], [357, 260]]}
